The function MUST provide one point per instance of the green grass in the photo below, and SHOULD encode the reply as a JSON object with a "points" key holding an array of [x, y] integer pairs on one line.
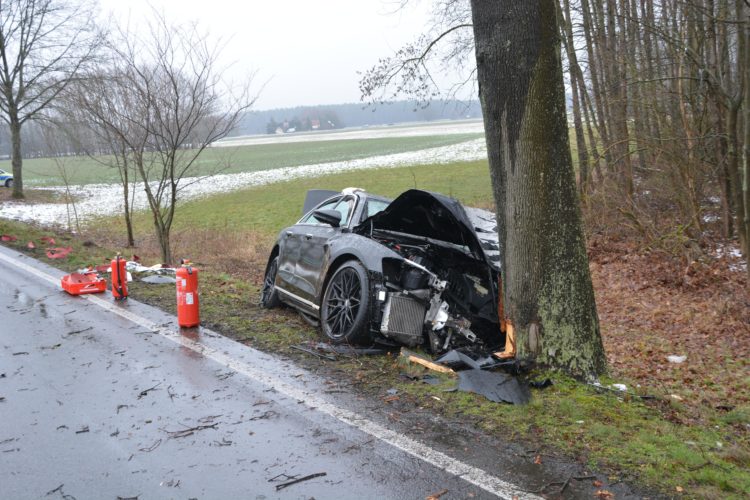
{"points": [[628, 438], [84, 170], [268, 209]]}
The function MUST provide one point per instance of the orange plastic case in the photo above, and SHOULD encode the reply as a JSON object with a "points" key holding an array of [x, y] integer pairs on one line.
{"points": [[78, 284]]}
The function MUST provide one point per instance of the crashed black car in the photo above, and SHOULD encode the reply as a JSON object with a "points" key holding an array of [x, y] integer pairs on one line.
{"points": [[419, 270]]}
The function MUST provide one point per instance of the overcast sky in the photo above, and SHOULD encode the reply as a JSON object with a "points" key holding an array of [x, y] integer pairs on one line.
{"points": [[309, 51]]}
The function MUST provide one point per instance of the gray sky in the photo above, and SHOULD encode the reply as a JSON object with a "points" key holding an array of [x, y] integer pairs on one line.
{"points": [[309, 51]]}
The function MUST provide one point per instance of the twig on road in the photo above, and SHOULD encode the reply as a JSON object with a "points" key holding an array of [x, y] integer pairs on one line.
{"points": [[152, 447], [190, 431], [77, 332], [58, 489], [281, 486], [146, 391]]}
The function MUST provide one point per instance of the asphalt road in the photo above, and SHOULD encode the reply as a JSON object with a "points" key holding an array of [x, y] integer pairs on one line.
{"points": [[104, 400]]}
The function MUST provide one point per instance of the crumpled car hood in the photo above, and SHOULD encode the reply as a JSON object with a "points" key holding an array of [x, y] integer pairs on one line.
{"points": [[439, 217]]}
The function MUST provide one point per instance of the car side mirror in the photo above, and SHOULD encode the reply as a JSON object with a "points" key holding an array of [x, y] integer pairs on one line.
{"points": [[328, 216]]}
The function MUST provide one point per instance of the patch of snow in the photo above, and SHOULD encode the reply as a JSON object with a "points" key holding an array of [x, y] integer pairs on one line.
{"points": [[709, 218], [413, 130], [106, 199], [731, 253], [676, 359]]}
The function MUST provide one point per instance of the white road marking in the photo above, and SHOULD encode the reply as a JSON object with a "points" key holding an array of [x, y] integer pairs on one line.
{"points": [[469, 473]]}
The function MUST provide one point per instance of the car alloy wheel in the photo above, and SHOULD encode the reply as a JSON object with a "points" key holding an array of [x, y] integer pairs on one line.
{"points": [[344, 308], [269, 296]]}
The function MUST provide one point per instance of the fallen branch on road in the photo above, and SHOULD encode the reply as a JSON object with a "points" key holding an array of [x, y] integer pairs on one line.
{"points": [[281, 486], [190, 431]]}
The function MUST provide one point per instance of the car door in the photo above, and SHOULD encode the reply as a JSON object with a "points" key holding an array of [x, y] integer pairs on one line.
{"points": [[290, 245], [315, 250]]}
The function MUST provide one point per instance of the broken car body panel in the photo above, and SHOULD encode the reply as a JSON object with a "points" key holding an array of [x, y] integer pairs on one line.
{"points": [[418, 269]]}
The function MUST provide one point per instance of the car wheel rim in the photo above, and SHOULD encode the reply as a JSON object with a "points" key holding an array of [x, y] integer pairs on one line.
{"points": [[268, 282], [343, 302]]}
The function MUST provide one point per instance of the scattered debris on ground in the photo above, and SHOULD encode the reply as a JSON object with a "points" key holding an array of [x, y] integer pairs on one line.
{"points": [[496, 386], [294, 479]]}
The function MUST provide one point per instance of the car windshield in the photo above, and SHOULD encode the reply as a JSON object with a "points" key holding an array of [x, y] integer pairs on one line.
{"points": [[374, 206]]}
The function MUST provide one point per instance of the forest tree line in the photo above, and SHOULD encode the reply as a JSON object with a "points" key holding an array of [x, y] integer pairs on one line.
{"points": [[661, 108]]}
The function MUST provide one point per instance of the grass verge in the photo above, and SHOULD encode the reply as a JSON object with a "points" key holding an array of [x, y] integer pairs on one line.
{"points": [[658, 443]]}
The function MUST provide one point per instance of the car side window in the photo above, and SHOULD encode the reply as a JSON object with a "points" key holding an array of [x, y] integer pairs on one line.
{"points": [[310, 219], [345, 207]]}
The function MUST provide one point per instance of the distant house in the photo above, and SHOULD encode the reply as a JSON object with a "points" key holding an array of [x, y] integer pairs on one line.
{"points": [[315, 124]]}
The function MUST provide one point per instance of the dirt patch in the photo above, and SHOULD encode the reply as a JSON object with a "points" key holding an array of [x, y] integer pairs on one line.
{"points": [[33, 196]]}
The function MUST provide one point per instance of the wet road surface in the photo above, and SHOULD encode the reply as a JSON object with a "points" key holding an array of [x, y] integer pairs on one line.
{"points": [[104, 400]]}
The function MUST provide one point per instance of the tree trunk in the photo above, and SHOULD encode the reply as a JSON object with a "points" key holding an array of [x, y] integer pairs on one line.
{"points": [[744, 215], [16, 156], [162, 236], [733, 165], [583, 155], [126, 198], [548, 293]]}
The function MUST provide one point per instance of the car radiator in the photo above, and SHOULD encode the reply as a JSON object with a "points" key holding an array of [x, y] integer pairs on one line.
{"points": [[403, 319]]}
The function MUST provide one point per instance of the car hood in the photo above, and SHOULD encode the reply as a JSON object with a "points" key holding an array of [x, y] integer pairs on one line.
{"points": [[439, 217]]}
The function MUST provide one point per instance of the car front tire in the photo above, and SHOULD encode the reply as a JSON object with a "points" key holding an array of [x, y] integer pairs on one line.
{"points": [[269, 296], [9, 183], [345, 307]]}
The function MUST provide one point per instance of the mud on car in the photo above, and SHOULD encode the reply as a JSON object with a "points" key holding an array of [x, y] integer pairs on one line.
{"points": [[418, 270]]}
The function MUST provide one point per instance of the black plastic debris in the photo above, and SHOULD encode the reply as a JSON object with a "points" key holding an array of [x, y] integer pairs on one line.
{"points": [[495, 386], [430, 379], [459, 360], [348, 350], [540, 384]]}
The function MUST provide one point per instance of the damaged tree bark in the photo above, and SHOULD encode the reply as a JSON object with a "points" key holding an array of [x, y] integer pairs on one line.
{"points": [[548, 294]]}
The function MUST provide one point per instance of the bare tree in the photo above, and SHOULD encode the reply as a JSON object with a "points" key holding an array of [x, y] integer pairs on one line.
{"points": [[178, 97], [447, 45], [103, 103], [56, 142], [44, 44]]}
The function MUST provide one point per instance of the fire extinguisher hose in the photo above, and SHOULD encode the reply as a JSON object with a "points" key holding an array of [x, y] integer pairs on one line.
{"points": [[119, 281]]}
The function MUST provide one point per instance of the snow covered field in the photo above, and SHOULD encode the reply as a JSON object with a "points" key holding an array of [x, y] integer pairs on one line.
{"points": [[381, 132], [100, 199]]}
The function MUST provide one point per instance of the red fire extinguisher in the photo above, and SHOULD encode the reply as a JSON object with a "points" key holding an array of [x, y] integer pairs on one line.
{"points": [[119, 278], [187, 295]]}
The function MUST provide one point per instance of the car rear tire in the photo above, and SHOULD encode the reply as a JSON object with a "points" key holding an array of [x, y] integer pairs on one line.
{"points": [[269, 296], [9, 183], [344, 312]]}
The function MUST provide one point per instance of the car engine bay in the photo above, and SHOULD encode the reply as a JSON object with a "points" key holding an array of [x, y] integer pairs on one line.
{"points": [[438, 293]]}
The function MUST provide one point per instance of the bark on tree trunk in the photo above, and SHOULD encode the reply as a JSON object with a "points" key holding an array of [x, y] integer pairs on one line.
{"points": [[126, 198], [745, 215], [548, 293], [16, 157], [583, 155]]}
